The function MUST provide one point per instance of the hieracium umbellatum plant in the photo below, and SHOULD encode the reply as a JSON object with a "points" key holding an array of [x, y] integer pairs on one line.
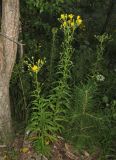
{"points": [[59, 98], [48, 113]]}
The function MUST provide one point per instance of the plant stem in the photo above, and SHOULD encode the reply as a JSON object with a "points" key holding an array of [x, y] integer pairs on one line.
{"points": [[23, 92]]}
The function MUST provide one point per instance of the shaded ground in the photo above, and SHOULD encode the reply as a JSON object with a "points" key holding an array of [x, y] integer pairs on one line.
{"points": [[21, 149]]}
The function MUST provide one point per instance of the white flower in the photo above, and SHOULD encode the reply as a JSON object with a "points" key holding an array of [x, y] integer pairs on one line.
{"points": [[100, 77], [27, 132]]}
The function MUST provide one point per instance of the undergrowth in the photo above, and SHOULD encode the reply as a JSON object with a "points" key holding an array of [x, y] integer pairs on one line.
{"points": [[79, 103]]}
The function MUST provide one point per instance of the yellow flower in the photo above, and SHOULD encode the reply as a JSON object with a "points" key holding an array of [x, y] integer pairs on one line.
{"points": [[70, 16], [66, 16], [72, 24], [62, 16], [35, 68], [79, 22], [64, 24], [69, 22], [78, 17]]}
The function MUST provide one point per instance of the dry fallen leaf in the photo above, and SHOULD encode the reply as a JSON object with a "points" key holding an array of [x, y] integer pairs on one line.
{"points": [[24, 149], [86, 154], [69, 152]]}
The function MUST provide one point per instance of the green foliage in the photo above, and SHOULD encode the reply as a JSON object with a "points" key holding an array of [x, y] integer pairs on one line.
{"points": [[82, 63], [48, 114], [53, 53], [82, 117], [42, 124], [91, 124], [77, 83], [100, 49], [60, 95], [50, 7], [20, 96]]}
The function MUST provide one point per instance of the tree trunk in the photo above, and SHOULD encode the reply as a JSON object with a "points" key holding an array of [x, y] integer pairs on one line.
{"points": [[8, 49], [5, 115]]}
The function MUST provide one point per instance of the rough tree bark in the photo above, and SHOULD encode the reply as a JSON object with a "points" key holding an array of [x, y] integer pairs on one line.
{"points": [[8, 49]]}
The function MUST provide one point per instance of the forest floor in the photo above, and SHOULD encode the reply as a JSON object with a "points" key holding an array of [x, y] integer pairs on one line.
{"points": [[22, 149]]}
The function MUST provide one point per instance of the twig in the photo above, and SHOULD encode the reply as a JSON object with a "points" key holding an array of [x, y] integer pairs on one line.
{"points": [[3, 146], [12, 40]]}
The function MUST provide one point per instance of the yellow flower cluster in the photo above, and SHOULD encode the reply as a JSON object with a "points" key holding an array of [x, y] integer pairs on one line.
{"points": [[68, 21], [35, 67], [79, 20]]}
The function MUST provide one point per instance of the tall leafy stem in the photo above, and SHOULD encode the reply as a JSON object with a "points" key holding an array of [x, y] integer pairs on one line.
{"points": [[53, 53], [48, 114]]}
